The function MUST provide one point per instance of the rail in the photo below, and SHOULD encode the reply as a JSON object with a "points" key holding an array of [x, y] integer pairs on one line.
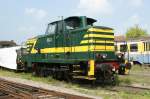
{"points": [[13, 90]]}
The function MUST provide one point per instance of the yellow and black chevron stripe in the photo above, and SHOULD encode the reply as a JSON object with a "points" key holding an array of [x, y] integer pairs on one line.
{"points": [[103, 37]]}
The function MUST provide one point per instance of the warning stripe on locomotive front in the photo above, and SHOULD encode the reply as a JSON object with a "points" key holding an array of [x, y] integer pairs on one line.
{"points": [[96, 37], [100, 30], [96, 41]]}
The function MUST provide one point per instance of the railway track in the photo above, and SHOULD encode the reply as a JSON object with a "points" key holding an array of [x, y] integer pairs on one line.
{"points": [[13, 90]]}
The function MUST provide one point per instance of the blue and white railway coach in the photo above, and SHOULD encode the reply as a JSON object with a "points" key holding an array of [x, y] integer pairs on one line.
{"points": [[135, 50]]}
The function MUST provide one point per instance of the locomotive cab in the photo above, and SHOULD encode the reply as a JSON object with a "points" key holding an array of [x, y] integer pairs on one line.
{"points": [[71, 23]]}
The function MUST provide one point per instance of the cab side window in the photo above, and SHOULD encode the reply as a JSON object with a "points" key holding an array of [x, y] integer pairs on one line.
{"points": [[60, 27], [51, 28], [73, 23]]}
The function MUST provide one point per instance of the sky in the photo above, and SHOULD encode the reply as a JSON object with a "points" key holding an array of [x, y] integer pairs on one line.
{"points": [[23, 19]]}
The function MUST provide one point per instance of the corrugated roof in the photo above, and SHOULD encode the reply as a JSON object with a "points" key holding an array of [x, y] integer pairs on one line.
{"points": [[8, 43], [143, 38], [120, 38]]}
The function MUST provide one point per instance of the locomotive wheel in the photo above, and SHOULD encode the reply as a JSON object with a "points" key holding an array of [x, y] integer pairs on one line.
{"points": [[122, 70], [35, 71], [25, 68], [68, 76], [56, 73], [104, 73], [107, 74], [59, 75], [42, 72]]}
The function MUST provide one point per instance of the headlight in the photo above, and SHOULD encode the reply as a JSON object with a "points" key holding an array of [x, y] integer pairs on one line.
{"points": [[120, 55], [104, 55], [113, 69]]}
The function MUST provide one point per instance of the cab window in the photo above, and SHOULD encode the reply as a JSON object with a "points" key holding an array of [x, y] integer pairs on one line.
{"points": [[123, 48], [51, 28], [133, 47], [60, 27], [73, 23]]}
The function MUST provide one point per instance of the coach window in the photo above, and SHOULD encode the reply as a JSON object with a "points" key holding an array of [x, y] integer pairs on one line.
{"points": [[133, 47], [123, 48], [144, 46], [149, 46]]}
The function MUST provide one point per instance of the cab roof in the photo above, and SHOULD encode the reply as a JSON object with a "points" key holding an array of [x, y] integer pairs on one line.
{"points": [[90, 20]]}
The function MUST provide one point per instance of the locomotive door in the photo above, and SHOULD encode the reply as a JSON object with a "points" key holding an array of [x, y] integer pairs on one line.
{"points": [[63, 40], [59, 40], [67, 38]]}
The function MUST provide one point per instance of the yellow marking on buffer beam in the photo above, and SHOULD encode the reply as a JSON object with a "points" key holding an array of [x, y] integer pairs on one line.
{"points": [[91, 68]]}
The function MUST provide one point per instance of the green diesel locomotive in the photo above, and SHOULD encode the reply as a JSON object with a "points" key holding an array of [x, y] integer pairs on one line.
{"points": [[72, 48]]}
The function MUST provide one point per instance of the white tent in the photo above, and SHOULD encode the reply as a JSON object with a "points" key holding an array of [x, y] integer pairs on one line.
{"points": [[8, 57]]}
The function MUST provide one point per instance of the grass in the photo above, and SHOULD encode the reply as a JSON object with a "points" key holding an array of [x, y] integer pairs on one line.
{"points": [[137, 68], [125, 80], [99, 90], [128, 95], [138, 74], [28, 76]]}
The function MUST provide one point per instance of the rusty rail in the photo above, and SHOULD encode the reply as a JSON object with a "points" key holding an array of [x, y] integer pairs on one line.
{"points": [[13, 90]]}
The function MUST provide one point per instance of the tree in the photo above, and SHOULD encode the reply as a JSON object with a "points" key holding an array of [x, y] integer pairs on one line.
{"points": [[135, 32]]}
